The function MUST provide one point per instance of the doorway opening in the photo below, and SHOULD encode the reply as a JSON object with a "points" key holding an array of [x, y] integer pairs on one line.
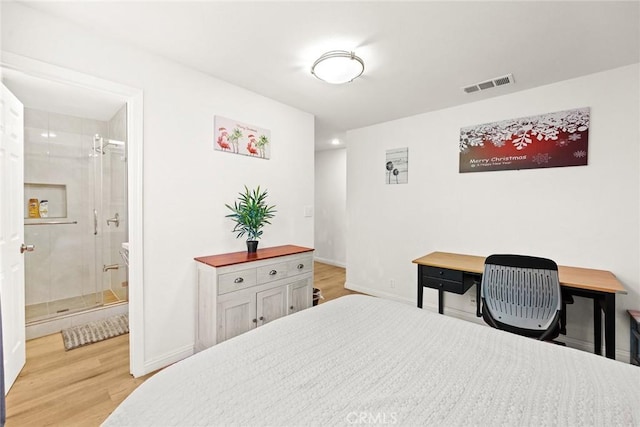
{"points": [[75, 209]]}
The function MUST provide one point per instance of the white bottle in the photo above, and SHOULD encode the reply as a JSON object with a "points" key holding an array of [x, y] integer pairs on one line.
{"points": [[44, 208]]}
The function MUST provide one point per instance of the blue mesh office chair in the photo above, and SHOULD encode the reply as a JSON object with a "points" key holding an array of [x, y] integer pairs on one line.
{"points": [[521, 294]]}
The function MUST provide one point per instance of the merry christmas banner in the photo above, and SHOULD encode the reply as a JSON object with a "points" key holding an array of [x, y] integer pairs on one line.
{"points": [[546, 141]]}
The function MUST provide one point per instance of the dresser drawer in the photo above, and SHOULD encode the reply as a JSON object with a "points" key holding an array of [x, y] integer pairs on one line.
{"points": [[242, 279], [442, 273], [300, 266], [272, 272]]}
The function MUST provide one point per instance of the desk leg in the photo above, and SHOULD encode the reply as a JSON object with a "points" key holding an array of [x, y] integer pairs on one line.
{"points": [[420, 287], [440, 301], [597, 326], [478, 313], [610, 325]]}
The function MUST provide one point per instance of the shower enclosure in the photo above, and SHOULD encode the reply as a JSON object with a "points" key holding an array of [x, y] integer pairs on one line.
{"points": [[78, 167]]}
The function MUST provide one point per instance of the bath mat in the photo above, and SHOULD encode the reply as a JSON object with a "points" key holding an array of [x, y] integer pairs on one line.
{"points": [[92, 332]]}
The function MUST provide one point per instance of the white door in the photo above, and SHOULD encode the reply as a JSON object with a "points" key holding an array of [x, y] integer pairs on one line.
{"points": [[12, 235]]}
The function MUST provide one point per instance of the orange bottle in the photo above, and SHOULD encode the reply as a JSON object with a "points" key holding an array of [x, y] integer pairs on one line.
{"points": [[34, 208]]}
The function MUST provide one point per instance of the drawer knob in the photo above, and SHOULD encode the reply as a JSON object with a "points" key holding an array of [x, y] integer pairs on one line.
{"points": [[255, 320], [291, 308], [238, 280], [300, 266], [441, 272], [261, 318], [273, 273]]}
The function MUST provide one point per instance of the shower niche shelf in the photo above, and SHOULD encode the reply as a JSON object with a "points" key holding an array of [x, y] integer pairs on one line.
{"points": [[55, 194]]}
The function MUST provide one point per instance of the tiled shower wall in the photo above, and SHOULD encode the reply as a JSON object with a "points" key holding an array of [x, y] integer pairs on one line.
{"points": [[67, 261]]}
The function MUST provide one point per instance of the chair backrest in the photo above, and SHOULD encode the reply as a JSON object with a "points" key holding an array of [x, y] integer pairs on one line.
{"points": [[521, 294]]}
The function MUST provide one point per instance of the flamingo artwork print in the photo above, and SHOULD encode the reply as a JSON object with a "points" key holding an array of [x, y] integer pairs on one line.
{"points": [[235, 137]]}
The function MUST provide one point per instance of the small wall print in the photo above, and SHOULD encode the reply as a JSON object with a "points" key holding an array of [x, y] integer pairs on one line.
{"points": [[545, 141], [240, 138], [397, 166]]}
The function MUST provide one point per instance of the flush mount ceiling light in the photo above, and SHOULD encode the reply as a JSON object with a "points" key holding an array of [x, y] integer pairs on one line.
{"points": [[338, 66]]}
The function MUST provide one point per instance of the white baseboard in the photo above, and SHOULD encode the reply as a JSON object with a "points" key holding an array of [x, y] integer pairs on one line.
{"points": [[330, 262], [378, 293], [166, 360]]}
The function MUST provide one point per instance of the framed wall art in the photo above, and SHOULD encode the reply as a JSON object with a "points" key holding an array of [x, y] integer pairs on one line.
{"points": [[397, 166], [236, 137], [545, 141]]}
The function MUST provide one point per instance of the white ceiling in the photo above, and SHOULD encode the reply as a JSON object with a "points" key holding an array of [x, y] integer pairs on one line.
{"points": [[418, 55]]}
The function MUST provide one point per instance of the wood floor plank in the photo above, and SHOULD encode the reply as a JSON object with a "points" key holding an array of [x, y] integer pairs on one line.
{"points": [[81, 387], [330, 280]]}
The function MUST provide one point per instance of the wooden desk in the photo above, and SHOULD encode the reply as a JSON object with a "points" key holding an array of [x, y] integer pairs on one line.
{"points": [[599, 285]]}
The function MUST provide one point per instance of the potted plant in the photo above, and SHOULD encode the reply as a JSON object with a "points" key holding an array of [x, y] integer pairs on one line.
{"points": [[250, 213]]}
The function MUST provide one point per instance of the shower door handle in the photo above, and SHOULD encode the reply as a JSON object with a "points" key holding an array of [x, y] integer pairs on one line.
{"points": [[95, 222], [26, 248], [115, 219]]}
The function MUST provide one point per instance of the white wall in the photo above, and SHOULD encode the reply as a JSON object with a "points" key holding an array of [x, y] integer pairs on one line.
{"points": [[186, 182], [584, 216], [330, 206]]}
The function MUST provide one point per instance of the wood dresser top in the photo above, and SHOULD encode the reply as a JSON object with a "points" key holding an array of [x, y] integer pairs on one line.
{"points": [[223, 260]]}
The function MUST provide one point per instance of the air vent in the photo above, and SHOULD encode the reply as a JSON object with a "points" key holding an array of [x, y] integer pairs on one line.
{"points": [[503, 80], [498, 81]]}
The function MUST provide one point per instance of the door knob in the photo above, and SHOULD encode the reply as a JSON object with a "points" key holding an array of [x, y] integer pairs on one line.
{"points": [[26, 248]]}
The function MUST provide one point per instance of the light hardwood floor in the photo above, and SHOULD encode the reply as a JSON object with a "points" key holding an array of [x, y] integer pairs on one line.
{"points": [[330, 280], [82, 387]]}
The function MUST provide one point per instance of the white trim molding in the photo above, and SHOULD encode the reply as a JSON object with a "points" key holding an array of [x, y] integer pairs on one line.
{"points": [[134, 99]]}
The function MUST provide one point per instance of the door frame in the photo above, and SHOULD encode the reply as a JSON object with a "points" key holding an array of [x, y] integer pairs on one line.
{"points": [[133, 97]]}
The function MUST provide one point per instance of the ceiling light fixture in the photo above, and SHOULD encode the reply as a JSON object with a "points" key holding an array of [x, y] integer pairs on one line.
{"points": [[337, 67]]}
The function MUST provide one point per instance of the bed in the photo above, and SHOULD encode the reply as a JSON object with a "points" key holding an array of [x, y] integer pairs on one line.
{"points": [[366, 360]]}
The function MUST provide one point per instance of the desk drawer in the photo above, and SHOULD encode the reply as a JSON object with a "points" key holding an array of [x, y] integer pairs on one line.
{"points": [[442, 273], [457, 287]]}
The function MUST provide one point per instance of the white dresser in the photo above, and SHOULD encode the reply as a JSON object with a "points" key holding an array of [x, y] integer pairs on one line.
{"points": [[241, 291]]}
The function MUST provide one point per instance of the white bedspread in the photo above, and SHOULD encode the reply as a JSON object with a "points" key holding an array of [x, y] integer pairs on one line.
{"points": [[361, 360]]}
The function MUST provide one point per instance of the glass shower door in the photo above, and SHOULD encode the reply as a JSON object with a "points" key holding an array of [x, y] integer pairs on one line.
{"points": [[110, 206], [94, 295]]}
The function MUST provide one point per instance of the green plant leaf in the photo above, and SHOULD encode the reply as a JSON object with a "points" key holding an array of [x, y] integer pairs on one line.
{"points": [[250, 213]]}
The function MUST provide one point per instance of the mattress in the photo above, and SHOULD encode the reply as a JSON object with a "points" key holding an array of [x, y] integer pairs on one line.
{"points": [[366, 360]]}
